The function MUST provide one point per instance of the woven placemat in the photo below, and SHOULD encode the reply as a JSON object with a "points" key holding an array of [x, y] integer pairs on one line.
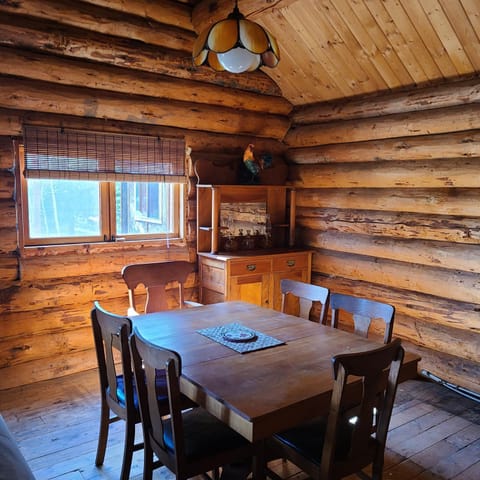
{"points": [[258, 342]]}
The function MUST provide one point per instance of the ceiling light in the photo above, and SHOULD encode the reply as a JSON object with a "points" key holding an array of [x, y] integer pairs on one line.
{"points": [[236, 44]]}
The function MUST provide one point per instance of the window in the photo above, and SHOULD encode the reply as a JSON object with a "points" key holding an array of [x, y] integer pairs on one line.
{"points": [[90, 187]]}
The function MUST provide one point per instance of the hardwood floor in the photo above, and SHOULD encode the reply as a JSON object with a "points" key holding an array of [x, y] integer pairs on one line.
{"points": [[434, 433]]}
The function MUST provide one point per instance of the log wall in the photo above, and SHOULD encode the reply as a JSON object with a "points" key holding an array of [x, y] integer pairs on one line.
{"points": [[389, 199], [80, 65], [388, 187]]}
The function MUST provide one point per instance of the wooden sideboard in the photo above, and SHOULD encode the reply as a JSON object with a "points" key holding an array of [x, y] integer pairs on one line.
{"points": [[251, 277]]}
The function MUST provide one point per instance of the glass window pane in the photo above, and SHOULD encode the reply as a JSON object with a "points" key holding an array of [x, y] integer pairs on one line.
{"points": [[143, 208], [63, 208]]}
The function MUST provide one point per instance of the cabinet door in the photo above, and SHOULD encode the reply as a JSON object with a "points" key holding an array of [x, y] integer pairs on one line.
{"points": [[294, 267], [250, 281], [251, 288]]}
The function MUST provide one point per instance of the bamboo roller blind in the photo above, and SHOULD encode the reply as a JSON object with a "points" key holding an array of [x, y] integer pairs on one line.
{"points": [[87, 155]]}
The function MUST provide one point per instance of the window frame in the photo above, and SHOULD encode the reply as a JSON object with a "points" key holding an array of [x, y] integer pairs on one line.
{"points": [[108, 234]]}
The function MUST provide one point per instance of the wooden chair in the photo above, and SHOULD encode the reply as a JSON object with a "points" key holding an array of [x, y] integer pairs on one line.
{"points": [[117, 392], [363, 311], [191, 442], [306, 293], [337, 446], [155, 277]]}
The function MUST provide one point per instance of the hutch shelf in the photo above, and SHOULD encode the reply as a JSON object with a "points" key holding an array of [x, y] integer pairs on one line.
{"points": [[250, 274]]}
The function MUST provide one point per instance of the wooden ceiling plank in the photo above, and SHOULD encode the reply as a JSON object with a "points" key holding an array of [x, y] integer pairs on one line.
{"points": [[322, 21], [101, 20], [296, 77], [207, 12], [352, 44], [168, 12], [321, 51], [447, 36], [383, 44], [397, 41], [413, 40], [464, 30], [430, 38], [369, 46], [472, 8]]}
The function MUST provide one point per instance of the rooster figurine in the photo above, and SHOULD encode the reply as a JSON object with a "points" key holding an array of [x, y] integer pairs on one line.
{"points": [[251, 163]]}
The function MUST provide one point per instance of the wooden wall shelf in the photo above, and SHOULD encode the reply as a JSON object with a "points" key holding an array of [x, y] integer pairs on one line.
{"points": [[279, 203]]}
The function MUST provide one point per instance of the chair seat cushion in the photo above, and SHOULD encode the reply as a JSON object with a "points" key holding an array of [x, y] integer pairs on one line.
{"points": [[204, 435], [308, 439], [162, 391]]}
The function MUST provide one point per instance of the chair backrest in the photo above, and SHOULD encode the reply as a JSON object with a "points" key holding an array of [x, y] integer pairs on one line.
{"points": [[148, 359], [155, 277], [306, 294], [111, 334], [363, 439], [363, 312]]}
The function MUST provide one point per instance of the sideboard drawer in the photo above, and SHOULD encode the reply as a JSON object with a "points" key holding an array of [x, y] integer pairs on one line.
{"points": [[293, 261], [250, 265]]}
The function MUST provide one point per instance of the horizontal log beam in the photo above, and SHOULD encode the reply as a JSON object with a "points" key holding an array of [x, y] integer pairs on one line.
{"points": [[7, 185], [443, 255], [414, 305], [459, 173], [204, 142], [9, 270], [450, 367], [15, 351], [37, 66], [6, 153], [460, 202], [442, 120], [8, 214], [168, 12], [28, 95], [54, 319], [438, 282], [126, 53], [47, 368], [426, 147], [102, 20], [402, 225], [440, 96], [438, 337], [48, 267], [8, 245], [40, 294]]}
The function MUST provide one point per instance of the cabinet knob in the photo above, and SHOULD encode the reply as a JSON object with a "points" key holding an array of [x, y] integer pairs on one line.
{"points": [[252, 267], [291, 263]]}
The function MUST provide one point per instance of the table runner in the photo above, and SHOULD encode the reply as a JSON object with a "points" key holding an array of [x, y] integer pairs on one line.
{"points": [[259, 342]]}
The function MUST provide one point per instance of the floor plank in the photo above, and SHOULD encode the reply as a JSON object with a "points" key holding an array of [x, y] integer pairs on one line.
{"points": [[434, 433]]}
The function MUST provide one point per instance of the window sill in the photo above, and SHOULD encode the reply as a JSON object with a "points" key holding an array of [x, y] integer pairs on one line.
{"points": [[101, 247]]}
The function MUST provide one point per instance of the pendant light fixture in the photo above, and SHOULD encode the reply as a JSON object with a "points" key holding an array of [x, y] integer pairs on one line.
{"points": [[236, 44]]}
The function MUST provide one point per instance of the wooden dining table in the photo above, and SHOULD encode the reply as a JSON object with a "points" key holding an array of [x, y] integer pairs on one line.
{"points": [[265, 391]]}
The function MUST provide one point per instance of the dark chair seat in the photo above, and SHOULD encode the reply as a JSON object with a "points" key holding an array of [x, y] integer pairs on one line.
{"points": [[204, 435], [162, 394], [308, 438]]}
